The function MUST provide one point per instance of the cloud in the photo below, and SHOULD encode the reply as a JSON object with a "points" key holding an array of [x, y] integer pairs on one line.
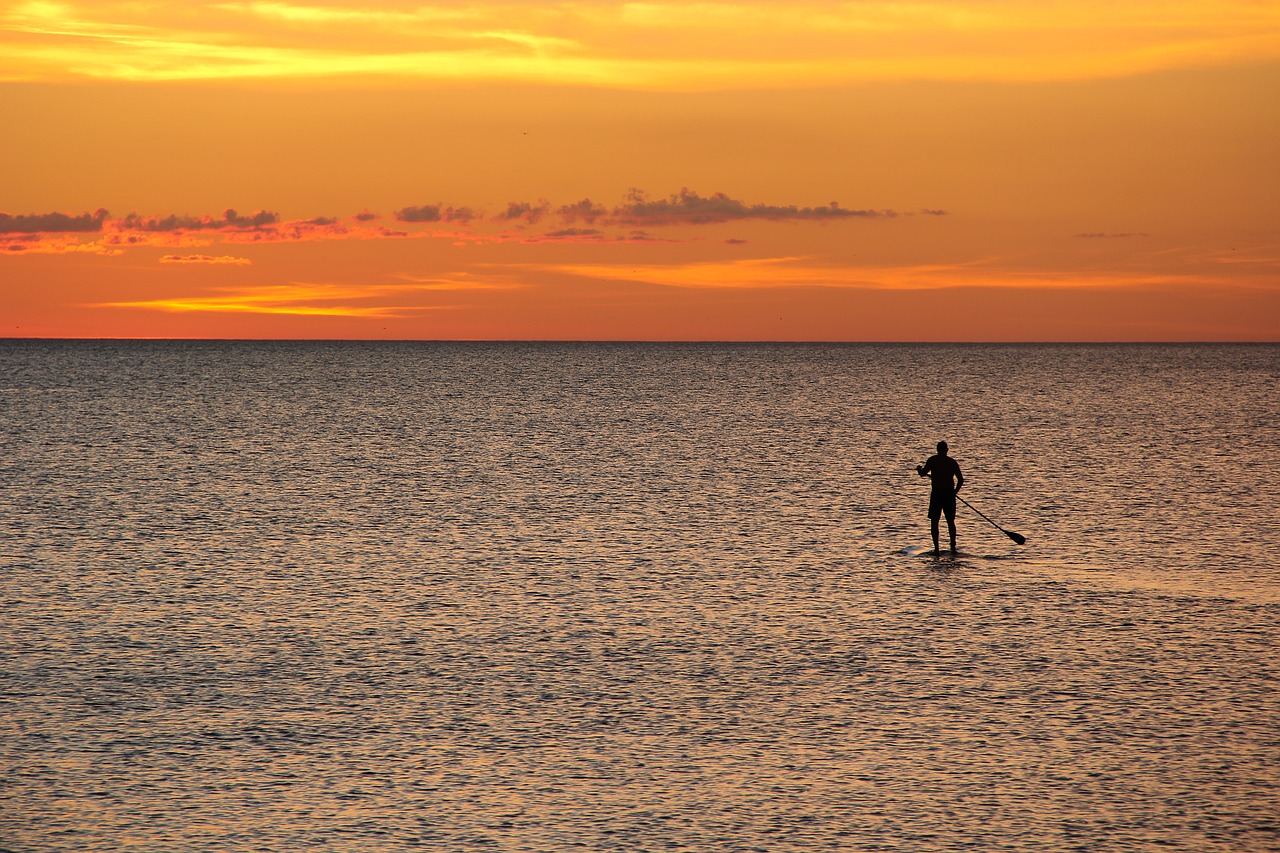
{"points": [[52, 222], [586, 210], [542, 221], [427, 213], [595, 235], [743, 273], [230, 221], [99, 220], [687, 207], [45, 244], [779, 273], [461, 281], [204, 259], [312, 300], [166, 239], [435, 213], [713, 45], [316, 228], [530, 213], [638, 236]]}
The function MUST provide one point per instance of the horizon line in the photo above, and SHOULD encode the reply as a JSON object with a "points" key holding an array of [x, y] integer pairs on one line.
{"points": [[761, 341]]}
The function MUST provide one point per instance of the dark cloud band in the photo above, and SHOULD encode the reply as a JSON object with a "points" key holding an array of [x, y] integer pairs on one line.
{"points": [[435, 213], [689, 207], [52, 222], [230, 220]]}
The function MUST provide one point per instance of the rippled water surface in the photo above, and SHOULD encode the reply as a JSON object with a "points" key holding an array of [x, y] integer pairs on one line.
{"points": [[556, 597]]}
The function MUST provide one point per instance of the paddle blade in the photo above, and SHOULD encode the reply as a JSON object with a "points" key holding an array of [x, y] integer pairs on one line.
{"points": [[1016, 537]]}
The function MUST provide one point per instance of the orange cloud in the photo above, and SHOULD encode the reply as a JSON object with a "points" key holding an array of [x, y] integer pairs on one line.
{"points": [[44, 244], [167, 239], [204, 259]]}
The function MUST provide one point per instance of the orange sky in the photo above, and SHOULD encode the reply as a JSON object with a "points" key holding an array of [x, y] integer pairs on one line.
{"points": [[972, 170]]}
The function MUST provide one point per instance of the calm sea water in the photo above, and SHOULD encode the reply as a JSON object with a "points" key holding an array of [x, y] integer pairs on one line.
{"points": [[556, 597]]}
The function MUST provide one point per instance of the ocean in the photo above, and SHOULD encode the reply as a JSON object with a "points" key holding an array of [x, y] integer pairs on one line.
{"points": [[326, 596]]}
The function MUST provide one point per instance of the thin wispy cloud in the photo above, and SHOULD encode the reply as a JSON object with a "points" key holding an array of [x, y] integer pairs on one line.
{"points": [[205, 259], [741, 273], [657, 45], [458, 282], [600, 236], [802, 272]]}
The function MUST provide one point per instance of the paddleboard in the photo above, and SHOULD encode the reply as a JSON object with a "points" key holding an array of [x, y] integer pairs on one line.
{"points": [[927, 551]]}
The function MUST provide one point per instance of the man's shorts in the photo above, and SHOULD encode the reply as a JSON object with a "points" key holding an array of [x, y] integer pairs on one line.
{"points": [[942, 502]]}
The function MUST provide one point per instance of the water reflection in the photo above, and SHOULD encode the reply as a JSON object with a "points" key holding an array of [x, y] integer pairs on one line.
{"points": [[384, 597]]}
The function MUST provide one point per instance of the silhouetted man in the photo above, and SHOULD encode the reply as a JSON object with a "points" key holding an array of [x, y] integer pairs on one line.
{"points": [[947, 480]]}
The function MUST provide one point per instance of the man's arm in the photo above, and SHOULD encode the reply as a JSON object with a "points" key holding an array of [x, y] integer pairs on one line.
{"points": [[959, 477], [925, 469]]}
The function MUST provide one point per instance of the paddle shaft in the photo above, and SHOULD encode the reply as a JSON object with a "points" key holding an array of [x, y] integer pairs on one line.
{"points": [[978, 511], [1015, 537]]}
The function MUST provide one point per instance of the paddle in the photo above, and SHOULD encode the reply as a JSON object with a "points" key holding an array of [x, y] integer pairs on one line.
{"points": [[1016, 537]]}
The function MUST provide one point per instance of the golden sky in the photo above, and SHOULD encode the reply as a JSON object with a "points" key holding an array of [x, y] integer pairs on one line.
{"points": [[969, 170]]}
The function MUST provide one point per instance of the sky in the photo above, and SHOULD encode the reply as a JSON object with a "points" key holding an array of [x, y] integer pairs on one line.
{"points": [[956, 170]]}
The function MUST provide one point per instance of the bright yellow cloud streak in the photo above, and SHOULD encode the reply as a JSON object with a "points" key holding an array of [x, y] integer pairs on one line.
{"points": [[632, 45], [799, 272], [298, 300], [315, 300]]}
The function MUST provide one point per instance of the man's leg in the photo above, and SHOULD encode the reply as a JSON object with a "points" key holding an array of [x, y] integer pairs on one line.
{"points": [[951, 523], [935, 513]]}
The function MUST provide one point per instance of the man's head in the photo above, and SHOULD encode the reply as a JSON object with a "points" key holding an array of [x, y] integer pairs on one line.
{"points": [[942, 448]]}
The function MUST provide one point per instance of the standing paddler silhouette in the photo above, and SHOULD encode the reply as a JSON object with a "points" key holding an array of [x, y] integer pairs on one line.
{"points": [[947, 480]]}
